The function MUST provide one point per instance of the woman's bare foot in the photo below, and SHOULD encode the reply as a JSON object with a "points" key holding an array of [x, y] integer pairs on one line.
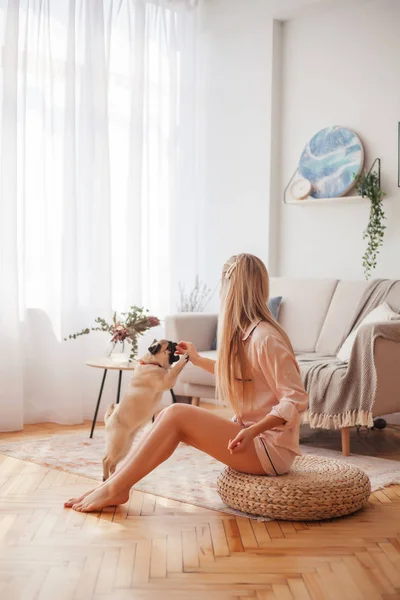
{"points": [[69, 503], [101, 497]]}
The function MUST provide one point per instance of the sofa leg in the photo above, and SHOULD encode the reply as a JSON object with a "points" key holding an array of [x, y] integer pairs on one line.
{"points": [[195, 401], [345, 441]]}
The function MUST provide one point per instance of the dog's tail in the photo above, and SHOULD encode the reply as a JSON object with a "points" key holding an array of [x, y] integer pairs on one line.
{"points": [[109, 412]]}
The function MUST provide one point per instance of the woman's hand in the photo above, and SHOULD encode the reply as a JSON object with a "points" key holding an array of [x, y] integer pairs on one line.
{"points": [[241, 441], [188, 348]]}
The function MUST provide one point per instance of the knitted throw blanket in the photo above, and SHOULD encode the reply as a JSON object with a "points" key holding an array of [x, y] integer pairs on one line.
{"points": [[343, 394]]}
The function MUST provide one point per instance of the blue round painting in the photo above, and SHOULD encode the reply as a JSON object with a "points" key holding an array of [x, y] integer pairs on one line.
{"points": [[331, 161]]}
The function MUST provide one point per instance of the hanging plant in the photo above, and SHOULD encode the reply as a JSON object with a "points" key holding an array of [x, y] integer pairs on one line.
{"points": [[368, 184]]}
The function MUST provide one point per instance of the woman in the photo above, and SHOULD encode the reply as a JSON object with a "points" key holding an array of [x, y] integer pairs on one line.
{"points": [[256, 371]]}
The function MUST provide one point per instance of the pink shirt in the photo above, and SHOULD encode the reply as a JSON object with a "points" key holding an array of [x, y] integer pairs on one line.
{"points": [[278, 388]]}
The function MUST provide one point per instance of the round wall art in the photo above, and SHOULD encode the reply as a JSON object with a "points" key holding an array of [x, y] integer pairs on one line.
{"points": [[331, 161]]}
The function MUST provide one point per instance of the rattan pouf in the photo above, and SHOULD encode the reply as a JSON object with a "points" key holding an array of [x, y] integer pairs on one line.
{"points": [[316, 488]]}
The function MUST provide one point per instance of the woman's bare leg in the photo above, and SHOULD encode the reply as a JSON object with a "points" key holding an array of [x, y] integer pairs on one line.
{"points": [[69, 503], [179, 423]]}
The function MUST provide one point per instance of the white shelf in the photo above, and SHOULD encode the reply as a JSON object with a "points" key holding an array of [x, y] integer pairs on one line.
{"points": [[341, 200]]}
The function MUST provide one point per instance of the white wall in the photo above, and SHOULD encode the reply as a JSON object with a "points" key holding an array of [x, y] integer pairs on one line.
{"points": [[235, 125], [340, 68]]}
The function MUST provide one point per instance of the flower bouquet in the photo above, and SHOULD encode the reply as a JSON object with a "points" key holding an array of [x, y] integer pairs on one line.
{"points": [[127, 329]]}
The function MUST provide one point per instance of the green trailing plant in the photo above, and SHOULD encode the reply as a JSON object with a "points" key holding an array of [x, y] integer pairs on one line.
{"points": [[127, 329], [368, 185]]}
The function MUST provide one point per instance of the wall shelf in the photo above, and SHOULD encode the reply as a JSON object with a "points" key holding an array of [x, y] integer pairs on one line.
{"points": [[288, 198], [340, 200]]}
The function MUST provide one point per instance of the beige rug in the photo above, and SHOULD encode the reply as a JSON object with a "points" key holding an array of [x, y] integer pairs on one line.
{"points": [[188, 476]]}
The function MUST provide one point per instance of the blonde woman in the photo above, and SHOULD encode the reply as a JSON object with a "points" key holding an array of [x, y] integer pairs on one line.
{"points": [[256, 373]]}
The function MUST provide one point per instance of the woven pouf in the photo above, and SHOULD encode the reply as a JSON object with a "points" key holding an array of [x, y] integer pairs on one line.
{"points": [[316, 488]]}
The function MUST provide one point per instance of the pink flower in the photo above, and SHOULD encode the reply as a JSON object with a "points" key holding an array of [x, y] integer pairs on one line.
{"points": [[119, 333], [153, 321]]}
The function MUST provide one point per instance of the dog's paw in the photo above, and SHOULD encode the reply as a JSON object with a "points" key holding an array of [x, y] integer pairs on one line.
{"points": [[186, 357]]}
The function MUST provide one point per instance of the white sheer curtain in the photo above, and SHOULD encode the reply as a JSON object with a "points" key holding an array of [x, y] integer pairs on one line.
{"points": [[98, 204]]}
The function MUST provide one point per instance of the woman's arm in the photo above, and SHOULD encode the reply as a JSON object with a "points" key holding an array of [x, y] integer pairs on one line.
{"points": [[245, 436], [199, 361], [205, 363], [268, 422]]}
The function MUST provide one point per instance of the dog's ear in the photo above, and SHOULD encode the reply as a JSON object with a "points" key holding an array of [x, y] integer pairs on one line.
{"points": [[172, 347], [154, 348], [173, 358]]}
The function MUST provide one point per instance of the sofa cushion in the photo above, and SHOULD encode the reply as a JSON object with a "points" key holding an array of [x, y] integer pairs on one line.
{"points": [[195, 375], [383, 312], [199, 328], [274, 304], [342, 311], [393, 297], [303, 308], [340, 314]]}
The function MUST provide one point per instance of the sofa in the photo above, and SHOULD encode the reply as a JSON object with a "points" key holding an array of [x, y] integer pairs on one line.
{"points": [[315, 313]]}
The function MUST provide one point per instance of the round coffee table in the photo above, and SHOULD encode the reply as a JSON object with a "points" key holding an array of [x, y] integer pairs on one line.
{"points": [[109, 365]]}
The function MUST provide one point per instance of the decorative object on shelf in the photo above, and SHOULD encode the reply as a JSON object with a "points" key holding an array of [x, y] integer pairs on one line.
{"points": [[328, 166], [369, 185], [197, 299], [301, 188], [331, 161], [127, 329]]}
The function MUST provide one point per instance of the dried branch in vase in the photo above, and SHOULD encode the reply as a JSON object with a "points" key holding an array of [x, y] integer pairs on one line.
{"points": [[197, 299]]}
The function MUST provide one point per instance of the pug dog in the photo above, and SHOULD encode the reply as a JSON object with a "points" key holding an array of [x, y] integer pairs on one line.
{"points": [[152, 376]]}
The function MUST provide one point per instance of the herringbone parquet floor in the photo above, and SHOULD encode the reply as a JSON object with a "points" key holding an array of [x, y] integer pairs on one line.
{"points": [[153, 548]]}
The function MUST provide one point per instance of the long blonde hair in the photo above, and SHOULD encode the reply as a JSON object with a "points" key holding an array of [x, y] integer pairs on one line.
{"points": [[244, 300]]}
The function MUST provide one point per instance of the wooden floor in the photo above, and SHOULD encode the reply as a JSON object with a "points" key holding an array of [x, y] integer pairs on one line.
{"points": [[153, 548]]}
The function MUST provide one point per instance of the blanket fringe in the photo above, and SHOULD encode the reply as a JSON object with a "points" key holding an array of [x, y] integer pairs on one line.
{"points": [[348, 419]]}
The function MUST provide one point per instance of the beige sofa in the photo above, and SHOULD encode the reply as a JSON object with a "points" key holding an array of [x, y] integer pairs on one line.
{"points": [[315, 313]]}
